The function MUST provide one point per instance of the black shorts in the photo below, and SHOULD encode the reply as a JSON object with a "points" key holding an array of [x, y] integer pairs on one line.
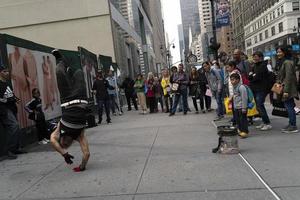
{"points": [[66, 131]]}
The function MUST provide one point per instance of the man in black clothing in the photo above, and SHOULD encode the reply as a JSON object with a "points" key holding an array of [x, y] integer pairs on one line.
{"points": [[74, 111], [8, 114], [100, 88], [128, 86]]}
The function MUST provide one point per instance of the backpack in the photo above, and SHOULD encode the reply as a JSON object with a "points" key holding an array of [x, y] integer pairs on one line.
{"points": [[244, 75], [251, 100]]}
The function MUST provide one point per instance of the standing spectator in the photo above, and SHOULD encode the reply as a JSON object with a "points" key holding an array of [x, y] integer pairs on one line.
{"points": [[140, 91], [150, 94], [182, 80], [128, 86], [231, 69], [216, 85], [194, 87], [34, 108], [242, 64], [8, 112], [166, 86], [240, 99], [259, 85], [158, 94], [100, 87], [112, 91], [203, 87], [287, 76]]}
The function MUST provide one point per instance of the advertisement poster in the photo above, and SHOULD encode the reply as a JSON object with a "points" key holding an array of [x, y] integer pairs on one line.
{"points": [[89, 67], [222, 13], [33, 69]]}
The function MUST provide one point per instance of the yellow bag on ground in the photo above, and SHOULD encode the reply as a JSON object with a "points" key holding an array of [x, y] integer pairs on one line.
{"points": [[228, 106]]}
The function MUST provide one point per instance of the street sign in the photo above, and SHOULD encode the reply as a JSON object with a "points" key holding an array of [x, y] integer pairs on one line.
{"points": [[192, 58]]}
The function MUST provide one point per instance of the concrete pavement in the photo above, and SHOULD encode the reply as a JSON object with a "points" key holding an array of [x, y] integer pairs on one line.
{"points": [[163, 158]]}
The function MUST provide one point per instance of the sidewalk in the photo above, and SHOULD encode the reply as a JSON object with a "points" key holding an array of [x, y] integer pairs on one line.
{"points": [[161, 158]]}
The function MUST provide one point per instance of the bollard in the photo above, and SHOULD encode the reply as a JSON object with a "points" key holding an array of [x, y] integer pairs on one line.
{"points": [[228, 140]]}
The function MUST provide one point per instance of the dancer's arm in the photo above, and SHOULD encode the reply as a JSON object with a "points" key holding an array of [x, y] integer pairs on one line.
{"points": [[85, 150], [54, 139]]}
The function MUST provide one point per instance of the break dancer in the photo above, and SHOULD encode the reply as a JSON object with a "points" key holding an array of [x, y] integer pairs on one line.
{"points": [[74, 110]]}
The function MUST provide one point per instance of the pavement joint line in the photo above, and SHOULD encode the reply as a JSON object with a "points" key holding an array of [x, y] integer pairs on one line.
{"points": [[146, 163], [150, 193], [255, 172], [39, 180]]}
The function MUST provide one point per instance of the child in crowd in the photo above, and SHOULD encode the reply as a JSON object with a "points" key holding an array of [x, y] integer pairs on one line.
{"points": [[34, 108], [240, 103]]}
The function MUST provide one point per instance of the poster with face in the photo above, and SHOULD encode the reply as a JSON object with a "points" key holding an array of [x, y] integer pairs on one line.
{"points": [[89, 65], [222, 13], [33, 69]]}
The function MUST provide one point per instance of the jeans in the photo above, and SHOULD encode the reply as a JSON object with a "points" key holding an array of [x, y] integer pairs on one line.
{"points": [[220, 102], [241, 120], [160, 100], [106, 104], [290, 105], [112, 103], [260, 98], [183, 94], [167, 100], [130, 97], [11, 126]]}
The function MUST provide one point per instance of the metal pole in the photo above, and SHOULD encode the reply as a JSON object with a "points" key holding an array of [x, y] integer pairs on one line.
{"points": [[214, 27]]}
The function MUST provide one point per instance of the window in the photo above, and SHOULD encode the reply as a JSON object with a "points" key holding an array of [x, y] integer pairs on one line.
{"points": [[255, 39], [273, 14], [266, 34], [295, 6], [273, 30], [280, 27], [260, 37], [278, 12], [282, 10]]}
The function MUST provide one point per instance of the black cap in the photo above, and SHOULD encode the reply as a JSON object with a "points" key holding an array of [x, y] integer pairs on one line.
{"points": [[56, 53]]}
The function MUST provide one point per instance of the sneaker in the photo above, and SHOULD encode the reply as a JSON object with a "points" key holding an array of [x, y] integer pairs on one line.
{"points": [[184, 112], [285, 128], [46, 140], [291, 129], [219, 118], [171, 114], [197, 112], [120, 113], [203, 111], [259, 126], [42, 142], [11, 156], [243, 135], [115, 114], [266, 127], [144, 112], [108, 121]]}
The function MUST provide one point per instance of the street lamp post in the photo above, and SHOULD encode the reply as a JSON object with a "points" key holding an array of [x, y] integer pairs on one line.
{"points": [[168, 54], [214, 44], [298, 33]]}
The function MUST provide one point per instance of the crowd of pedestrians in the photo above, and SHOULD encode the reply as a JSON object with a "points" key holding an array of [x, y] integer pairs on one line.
{"points": [[234, 83]]}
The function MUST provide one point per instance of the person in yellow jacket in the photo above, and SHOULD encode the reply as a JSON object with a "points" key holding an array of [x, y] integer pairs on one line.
{"points": [[166, 85]]}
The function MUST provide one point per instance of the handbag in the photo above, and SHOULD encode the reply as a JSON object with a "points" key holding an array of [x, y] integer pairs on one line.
{"points": [[175, 87], [228, 105], [208, 93], [277, 88], [279, 109]]}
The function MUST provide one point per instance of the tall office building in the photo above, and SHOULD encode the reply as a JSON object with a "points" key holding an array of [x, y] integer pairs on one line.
{"points": [[190, 21], [274, 23], [238, 22], [181, 41]]}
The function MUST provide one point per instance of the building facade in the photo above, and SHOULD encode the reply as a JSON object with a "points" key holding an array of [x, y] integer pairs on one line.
{"points": [[238, 22], [190, 21], [277, 25], [121, 29]]}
